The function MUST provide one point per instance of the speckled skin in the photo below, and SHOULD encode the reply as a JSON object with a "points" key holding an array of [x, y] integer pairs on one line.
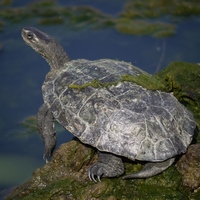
{"points": [[122, 119]]}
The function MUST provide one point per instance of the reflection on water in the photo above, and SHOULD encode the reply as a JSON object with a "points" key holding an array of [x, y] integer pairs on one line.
{"points": [[23, 71]]}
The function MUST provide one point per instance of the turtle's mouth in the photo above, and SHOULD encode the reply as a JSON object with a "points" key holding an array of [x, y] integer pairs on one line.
{"points": [[23, 34]]}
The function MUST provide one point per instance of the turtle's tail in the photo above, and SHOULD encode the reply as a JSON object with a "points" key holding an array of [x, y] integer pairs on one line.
{"points": [[151, 169]]}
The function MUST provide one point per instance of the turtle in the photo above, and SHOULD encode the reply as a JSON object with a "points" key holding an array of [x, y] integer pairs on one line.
{"points": [[118, 118]]}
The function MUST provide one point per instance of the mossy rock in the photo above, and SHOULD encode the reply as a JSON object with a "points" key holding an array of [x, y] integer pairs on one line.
{"points": [[65, 177], [188, 166]]}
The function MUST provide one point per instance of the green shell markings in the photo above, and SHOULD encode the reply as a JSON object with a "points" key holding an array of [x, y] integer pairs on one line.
{"points": [[118, 117]]}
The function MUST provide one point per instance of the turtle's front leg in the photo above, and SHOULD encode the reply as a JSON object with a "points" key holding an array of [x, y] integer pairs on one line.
{"points": [[47, 130], [109, 165]]}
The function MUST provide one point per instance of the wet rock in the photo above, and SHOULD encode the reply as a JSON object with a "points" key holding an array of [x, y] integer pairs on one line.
{"points": [[189, 167]]}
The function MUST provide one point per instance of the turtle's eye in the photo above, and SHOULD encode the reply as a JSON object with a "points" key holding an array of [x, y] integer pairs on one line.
{"points": [[30, 35]]}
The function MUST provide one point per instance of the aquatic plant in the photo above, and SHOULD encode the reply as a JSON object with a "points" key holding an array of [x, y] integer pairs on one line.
{"points": [[155, 18]]}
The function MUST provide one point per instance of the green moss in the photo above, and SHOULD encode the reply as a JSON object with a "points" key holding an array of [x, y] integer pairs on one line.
{"points": [[195, 195], [122, 189], [164, 186], [147, 81], [57, 188], [94, 83], [183, 79]]}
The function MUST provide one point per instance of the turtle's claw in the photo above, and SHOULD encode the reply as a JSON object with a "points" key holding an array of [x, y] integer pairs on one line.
{"points": [[95, 172], [45, 158], [91, 177], [48, 151]]}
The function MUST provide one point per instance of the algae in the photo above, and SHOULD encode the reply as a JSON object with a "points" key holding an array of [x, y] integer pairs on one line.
{"points": [[146, 80], [144, 27], [94, 83], [156, 18], [29, 124], [148, 17], [154, 9], [28, 127]]}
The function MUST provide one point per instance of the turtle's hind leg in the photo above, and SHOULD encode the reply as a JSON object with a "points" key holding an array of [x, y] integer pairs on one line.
{"points": [[151, 169], [109, 165]]}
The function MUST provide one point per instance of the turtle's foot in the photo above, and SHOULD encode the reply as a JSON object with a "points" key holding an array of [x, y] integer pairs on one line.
{"points": [[151, 169], [49, 148], [109, 165]]}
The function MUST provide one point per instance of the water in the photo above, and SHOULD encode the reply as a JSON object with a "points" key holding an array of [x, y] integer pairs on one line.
{"points": [[23, 71]]}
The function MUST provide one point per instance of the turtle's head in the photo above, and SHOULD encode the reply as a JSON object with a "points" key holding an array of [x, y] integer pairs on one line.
{"points": [[46, 46]]}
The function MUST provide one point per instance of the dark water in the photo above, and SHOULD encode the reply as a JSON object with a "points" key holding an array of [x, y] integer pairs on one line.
{"points": [[23, 71]]}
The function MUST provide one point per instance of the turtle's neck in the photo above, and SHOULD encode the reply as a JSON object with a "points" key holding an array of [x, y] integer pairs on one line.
{"points": [[55, 55]]}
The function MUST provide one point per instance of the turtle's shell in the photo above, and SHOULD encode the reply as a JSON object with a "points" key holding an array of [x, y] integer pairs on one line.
{"points": [[124, 119]]}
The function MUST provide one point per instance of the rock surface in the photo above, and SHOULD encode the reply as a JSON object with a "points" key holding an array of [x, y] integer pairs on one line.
{"points": [[189, 167], [65, 177]]}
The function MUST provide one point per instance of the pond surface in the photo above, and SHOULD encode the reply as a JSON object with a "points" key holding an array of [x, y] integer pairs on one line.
{"points": [[23, 71]]}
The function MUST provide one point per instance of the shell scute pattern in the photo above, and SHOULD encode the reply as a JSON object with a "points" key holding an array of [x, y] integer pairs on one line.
{"points": [[164, 148], [89, 111], [124, 119], [73, 99], [56, 108]]}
